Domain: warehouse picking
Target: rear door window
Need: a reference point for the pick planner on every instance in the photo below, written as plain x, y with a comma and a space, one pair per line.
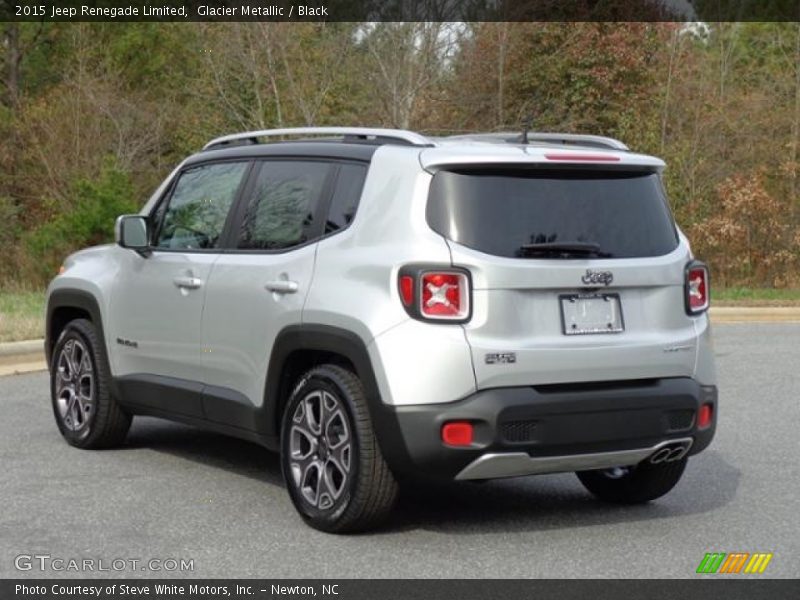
499, 212
284, 204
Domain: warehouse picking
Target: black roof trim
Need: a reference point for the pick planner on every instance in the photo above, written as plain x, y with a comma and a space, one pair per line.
316, 149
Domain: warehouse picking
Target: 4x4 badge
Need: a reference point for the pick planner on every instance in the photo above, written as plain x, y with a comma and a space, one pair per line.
597, 277
501, 358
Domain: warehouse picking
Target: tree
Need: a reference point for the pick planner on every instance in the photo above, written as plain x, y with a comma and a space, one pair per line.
403, 61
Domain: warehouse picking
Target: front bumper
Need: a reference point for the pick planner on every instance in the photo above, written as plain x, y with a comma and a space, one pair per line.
548, 429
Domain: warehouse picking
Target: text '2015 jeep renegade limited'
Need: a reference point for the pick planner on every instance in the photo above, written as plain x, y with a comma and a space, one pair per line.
376, 304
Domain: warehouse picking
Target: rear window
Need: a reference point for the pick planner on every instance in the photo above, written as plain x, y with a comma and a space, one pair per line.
500, 212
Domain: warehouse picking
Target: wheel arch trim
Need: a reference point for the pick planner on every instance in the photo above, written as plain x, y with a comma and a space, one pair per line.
315, 338
76, 299
349, 345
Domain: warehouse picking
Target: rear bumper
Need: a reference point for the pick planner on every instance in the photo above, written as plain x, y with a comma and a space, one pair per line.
548, 429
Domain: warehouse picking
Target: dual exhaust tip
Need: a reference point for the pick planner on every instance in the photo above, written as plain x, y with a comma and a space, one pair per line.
670, 452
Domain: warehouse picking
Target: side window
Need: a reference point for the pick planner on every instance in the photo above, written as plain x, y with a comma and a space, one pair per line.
345, 199
196, 212
283, 205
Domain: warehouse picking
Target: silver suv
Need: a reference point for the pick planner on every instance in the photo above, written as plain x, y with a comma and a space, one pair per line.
378, 305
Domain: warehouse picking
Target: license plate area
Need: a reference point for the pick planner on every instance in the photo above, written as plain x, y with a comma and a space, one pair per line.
590, 314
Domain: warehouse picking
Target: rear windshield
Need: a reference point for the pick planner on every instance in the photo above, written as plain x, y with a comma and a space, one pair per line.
502, 212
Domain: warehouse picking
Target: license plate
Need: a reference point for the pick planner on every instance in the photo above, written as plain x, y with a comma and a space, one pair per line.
584, 314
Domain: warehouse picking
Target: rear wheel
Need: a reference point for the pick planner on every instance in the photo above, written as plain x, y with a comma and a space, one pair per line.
334, 470
633, 485
85, 411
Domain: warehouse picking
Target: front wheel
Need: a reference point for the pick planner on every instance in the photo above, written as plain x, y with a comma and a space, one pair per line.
86, 412
633, 485
334, 470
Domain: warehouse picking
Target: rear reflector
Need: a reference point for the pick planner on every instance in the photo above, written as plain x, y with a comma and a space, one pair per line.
407, 289
583, 157
457, 433
697, 288
705, 415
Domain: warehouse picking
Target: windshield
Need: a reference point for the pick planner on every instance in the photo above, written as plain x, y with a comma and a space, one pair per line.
622, 214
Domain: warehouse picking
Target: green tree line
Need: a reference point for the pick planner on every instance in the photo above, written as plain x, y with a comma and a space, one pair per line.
93, 116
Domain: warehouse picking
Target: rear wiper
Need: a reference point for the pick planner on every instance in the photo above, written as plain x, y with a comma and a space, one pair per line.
563, 249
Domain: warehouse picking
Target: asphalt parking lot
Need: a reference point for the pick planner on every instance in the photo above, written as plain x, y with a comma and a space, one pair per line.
177, 493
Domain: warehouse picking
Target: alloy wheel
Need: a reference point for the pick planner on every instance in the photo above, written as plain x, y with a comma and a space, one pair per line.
320, 447
75, 388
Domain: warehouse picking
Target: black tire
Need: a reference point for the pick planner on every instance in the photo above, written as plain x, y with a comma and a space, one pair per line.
104, 424
367, 489
640, 484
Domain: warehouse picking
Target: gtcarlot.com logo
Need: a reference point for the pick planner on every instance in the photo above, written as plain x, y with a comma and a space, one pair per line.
734, 562
46, 562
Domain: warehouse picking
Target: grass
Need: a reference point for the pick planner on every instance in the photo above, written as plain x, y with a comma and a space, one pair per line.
755, 297
22, 312
21, 315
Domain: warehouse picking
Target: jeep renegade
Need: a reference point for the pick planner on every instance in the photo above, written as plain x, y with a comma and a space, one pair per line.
375, 304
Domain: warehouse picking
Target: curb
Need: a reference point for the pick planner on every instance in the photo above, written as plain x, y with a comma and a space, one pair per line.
22, 367
17, 358
19, 348
755, 314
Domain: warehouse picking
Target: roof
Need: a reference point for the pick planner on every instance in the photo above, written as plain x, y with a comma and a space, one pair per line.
359, 143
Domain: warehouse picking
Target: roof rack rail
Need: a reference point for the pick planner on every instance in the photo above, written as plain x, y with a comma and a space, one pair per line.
570, 139
362, 133
578, 139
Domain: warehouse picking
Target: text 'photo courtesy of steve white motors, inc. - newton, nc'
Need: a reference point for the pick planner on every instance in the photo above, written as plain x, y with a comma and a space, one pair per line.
158, 590
156, 11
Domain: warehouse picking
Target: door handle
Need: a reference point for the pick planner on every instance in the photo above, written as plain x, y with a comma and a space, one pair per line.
188, 283
282, 286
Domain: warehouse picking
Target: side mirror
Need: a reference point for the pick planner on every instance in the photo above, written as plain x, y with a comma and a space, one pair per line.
131, 232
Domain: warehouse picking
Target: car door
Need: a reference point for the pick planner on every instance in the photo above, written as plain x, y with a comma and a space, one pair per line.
259, 287
157, 300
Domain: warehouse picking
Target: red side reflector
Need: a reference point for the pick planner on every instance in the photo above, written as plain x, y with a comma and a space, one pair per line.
705, 415
457, 433
583, 157
407, 289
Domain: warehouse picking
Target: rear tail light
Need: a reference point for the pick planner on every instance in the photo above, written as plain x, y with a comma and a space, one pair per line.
445, 295
434, 294
698, 292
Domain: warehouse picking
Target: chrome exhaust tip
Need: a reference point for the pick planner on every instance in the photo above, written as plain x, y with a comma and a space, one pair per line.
671, 451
